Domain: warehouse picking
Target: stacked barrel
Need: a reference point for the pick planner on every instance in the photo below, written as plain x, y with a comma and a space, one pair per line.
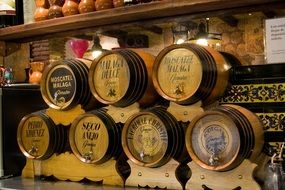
65, 85
95, 137
39, 138
152, 137
219, 139
222, 137
189, 73
123, 77
118, 78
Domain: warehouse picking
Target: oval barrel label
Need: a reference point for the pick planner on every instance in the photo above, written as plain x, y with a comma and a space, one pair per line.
179, 73
215, 139
91, 138
147, 138
111, 76
61, 85
35, 136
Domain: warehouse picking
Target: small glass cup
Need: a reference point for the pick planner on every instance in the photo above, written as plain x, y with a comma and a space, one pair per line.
8, 76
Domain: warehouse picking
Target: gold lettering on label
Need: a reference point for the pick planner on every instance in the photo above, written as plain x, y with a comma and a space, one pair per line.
178, 63
61, 78
61, 81
178, 67
139, 123
111, 67
35, 129
90, 133
61, 85
32, 133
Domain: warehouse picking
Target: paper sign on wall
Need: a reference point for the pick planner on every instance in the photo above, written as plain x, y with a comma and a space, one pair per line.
275, 40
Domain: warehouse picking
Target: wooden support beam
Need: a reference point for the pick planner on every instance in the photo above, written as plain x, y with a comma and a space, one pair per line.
230, 20
152, 28
120, 34
8, 48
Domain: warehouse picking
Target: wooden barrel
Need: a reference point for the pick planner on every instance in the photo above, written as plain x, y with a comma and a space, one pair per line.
188, 73
95, 137
152, 137
39, 138
65, 84
123, 77
222, 138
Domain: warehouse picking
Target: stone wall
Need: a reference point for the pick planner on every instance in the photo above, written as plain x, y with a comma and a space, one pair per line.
246, 41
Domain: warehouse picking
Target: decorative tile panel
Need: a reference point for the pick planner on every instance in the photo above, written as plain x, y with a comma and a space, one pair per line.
255, 93
272, 121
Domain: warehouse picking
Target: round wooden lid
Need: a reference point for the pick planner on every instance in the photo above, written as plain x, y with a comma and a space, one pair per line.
109, 78
33, 137
145, 139
213, 140
89, 138
59, 86
177, 73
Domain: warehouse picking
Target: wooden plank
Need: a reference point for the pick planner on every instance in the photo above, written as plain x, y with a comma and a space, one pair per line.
154, 10
241, 176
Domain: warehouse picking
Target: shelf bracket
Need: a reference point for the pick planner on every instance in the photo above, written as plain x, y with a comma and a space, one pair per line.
7, 48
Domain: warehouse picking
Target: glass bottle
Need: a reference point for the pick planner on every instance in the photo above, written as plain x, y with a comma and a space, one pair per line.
273, 179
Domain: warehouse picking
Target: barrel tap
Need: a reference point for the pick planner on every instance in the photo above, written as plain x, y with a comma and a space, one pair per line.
142, 155
214, 159
34, 150
88, 156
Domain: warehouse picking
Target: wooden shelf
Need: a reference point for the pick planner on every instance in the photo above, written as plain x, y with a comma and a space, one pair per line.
142, 13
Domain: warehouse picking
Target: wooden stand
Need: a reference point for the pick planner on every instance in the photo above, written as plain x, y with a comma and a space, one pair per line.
185, 113
241, 176
64, 117
66, 166
120, 115
162, 177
